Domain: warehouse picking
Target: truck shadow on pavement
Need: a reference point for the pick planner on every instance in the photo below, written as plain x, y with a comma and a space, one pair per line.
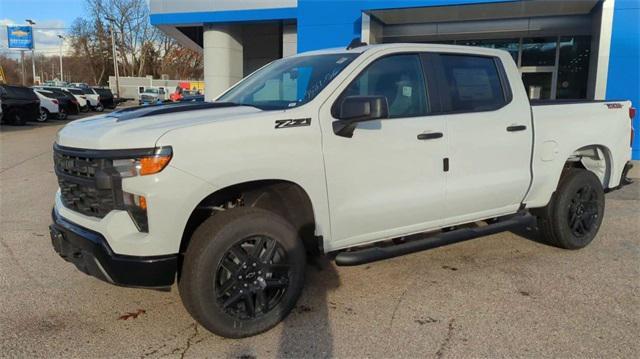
307, 330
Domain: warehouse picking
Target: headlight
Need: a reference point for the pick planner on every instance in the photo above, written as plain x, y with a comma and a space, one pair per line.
144, 165
141, 165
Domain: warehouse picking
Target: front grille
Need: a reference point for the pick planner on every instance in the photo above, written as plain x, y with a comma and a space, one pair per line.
84, 199
85, 186
75, 165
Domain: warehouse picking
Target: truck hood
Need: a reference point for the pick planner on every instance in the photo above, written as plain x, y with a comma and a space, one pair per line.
140, 127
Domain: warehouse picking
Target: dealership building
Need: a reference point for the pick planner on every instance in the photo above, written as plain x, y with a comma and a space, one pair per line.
565, 49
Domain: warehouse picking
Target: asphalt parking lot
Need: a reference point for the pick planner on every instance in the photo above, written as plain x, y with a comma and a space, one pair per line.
505, 295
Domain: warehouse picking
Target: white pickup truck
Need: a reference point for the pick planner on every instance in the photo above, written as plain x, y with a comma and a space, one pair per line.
347, 152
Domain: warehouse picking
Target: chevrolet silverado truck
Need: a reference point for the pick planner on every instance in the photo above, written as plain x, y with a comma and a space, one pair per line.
363, 154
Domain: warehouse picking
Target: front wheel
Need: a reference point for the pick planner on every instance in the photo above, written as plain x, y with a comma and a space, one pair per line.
243, 272
573, 216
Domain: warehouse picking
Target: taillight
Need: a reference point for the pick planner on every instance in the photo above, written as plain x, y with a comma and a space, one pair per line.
55, 102
632, 114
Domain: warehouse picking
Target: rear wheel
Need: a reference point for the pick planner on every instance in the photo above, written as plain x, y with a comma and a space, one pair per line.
243, 272
573, 216
62, 114
44, 115
99, 107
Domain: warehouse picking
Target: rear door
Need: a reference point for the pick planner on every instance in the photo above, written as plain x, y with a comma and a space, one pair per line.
489, 138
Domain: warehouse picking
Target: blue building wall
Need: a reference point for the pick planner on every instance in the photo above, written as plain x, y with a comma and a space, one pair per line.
624, 60
332, 23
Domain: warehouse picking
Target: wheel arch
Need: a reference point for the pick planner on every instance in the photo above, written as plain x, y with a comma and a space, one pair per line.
283, 197
595, 158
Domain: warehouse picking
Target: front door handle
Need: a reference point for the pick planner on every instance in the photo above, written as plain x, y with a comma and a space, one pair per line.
515, 128
430, 136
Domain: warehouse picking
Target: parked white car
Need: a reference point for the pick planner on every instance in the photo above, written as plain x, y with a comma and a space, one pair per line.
348, 152
92, 97
83, 100
49, 106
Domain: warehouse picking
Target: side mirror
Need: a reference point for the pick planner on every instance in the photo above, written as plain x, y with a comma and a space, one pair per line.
354, 109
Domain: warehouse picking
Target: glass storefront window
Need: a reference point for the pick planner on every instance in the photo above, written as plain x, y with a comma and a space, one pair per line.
538, 63
509, 45
538, 85
573, 67
539, 51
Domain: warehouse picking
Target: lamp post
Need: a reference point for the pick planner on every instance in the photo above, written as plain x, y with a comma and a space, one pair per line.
61, 43
33, 49
115, 56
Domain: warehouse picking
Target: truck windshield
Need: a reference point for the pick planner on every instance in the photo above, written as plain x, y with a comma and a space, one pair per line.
288, 82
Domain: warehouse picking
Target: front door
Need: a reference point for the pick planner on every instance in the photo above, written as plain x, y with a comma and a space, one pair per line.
388, 179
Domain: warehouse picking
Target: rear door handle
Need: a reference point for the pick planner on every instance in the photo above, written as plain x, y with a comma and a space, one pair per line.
515, 128
430, 136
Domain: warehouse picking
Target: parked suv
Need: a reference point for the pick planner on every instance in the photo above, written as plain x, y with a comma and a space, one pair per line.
348, 152
68, 103
19, 104
106, 97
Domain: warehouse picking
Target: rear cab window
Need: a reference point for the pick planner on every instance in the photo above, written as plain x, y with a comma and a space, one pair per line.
472, 83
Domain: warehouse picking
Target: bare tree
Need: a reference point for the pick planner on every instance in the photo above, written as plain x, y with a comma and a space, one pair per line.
142, 48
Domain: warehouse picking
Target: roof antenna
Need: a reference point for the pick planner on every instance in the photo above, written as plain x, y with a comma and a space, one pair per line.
356, 43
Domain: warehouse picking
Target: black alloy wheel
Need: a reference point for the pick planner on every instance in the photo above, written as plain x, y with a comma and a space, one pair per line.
583, 211
574, 214
243, 271
252, 277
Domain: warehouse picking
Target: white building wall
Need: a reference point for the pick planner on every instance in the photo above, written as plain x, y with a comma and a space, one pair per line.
173, 6
289, 39
223, 58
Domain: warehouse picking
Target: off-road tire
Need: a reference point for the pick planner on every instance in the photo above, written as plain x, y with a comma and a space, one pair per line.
562, 221
211, 243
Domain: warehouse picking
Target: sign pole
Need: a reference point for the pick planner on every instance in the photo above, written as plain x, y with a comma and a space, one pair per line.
115, 60
22, 64
33, 64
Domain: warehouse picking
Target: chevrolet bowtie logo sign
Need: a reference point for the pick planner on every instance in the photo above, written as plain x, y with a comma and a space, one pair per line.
20, 37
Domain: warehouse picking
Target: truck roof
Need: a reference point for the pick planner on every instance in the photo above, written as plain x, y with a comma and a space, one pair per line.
413, 46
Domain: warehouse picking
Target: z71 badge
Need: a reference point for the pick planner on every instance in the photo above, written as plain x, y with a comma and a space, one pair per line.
298, 122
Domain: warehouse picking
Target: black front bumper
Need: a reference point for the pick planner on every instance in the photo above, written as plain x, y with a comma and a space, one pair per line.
90, 253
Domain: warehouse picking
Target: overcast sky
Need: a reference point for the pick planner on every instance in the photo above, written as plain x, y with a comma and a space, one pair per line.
52, 17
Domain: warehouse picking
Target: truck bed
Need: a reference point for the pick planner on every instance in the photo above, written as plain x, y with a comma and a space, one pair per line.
563, 127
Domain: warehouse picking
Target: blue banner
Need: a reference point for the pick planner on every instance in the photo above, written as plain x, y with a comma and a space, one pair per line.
20, 37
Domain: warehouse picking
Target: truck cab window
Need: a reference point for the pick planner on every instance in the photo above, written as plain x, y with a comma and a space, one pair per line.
400, 79
474, 83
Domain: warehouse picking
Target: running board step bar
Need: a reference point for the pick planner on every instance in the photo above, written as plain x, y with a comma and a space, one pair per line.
372, 254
